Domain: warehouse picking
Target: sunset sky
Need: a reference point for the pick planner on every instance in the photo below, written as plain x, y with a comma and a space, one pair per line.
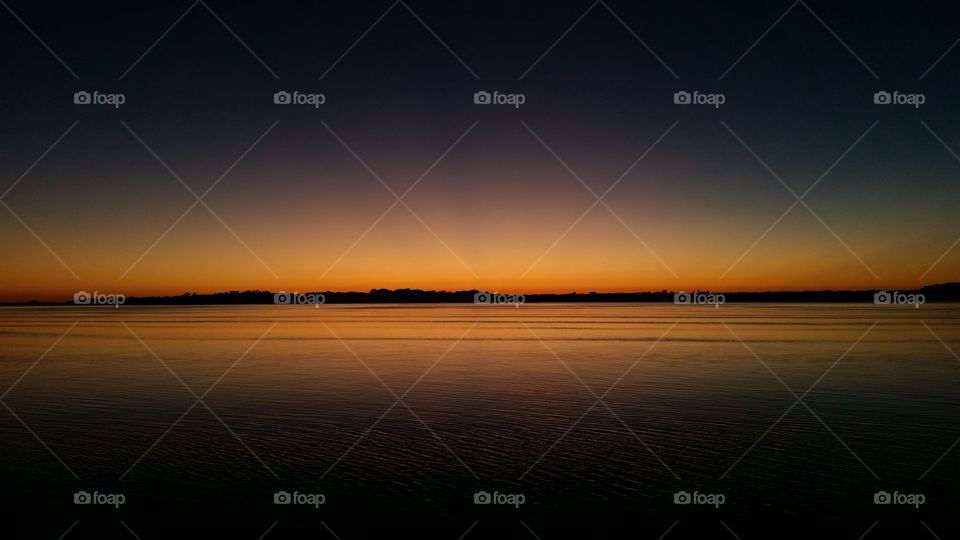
490, 214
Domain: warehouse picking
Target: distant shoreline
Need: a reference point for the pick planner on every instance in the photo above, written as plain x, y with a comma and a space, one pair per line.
945, 292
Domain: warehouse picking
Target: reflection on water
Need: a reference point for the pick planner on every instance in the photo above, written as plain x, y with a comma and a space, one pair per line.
493, 398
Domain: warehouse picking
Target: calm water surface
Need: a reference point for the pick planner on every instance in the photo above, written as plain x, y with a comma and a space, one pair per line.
497, 399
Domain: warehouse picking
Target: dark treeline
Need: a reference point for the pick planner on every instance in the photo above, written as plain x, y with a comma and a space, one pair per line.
946, 292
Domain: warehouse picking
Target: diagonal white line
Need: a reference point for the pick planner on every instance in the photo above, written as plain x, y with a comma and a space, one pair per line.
598, 199
799, 399
37, 437
841, 441
639, 159
599, 400
359, 159
159, 39
868, 530
937, 462
835, 235
161, 161
559, 39
940, 258
527, 527
241, 441
444, 244
127, 527
244, 244
39, 159
327, 527
834, 34
841, 158
439, 159
758, 240
199, 199
434, 34
199, 399
641, 240
398, 399
180, 18
759, 160
45, 46
559, 159
957, 241
35, 235
159, 239
262, 536
945, 53
559, 239
437, 437
160, 438
234, 34
37, 361
815, 16
634, 34
945, 346
359, 39
759, 39
760, 438
399, 198
670, 528
799, 198
927, 527
468, 530
727, 527
239, 159
359, 239
941, 141
65, 533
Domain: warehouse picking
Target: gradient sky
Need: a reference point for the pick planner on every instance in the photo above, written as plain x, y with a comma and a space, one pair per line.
498, 201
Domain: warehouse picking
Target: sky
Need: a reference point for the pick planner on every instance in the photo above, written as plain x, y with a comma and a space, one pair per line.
492, 196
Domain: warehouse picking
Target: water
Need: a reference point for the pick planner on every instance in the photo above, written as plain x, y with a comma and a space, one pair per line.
493, 398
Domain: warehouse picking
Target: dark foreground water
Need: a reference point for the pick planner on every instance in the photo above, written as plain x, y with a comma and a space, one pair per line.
502, 400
